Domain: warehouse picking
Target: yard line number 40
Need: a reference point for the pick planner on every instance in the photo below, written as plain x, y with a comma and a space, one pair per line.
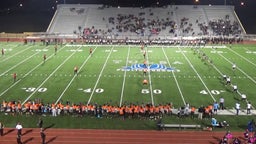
214, 92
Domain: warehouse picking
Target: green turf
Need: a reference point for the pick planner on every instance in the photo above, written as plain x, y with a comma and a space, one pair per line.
237, 123
101, 79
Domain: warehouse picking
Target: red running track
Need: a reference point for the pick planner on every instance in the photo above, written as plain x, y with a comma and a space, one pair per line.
89, 136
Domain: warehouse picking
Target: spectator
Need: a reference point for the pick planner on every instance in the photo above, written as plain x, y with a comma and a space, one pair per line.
159, 124
215, 123
248, 108
1, 129
224, 140
200, 112
43, 136
215, 107
19, 129
251, 126
40, 123
237, 106
246, 134
19, 139
54, 112
229, 136
192, 113
222, 100
236, 141
251, 140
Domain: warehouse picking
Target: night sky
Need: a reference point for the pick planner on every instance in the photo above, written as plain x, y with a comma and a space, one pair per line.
35, 15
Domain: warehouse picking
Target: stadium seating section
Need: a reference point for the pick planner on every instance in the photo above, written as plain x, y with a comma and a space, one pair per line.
133, 23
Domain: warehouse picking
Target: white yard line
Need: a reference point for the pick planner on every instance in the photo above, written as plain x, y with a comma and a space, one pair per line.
122, 92
48, 77
239, 69
243, 73
26, 74
18, 64
66, 88
100, 75
15, 54
174, 76
242, 57
150, 81
239, 93
197, 74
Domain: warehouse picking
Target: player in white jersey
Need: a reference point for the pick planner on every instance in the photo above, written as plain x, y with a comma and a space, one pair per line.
235, 88
249, 107
228, 81
234, 66
224, 77
243, 96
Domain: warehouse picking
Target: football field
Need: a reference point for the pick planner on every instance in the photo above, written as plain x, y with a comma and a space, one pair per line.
114, 74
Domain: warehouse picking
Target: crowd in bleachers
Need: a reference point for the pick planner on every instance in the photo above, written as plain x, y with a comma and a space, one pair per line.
77, 10
225, 26
136, 24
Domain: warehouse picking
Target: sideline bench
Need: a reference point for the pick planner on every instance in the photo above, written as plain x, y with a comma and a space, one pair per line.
180, 126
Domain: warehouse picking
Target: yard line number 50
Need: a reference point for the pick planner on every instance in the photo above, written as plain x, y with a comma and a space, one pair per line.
155, 91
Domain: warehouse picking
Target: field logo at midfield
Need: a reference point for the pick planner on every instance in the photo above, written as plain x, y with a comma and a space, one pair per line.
8, 49
75, 50
152, 67
40, 50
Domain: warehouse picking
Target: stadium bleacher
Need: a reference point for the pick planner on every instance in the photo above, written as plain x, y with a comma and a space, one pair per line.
137, 23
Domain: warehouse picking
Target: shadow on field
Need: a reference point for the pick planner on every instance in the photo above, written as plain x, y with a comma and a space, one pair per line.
216, 138
50, 126
27, 131
51, 140
9, 131
28, 140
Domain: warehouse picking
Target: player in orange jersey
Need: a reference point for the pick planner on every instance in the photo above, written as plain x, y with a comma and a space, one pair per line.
145, 64
145, 82
90, 52
55, 49
14, 77
44, 57
144, 72
2, 51
144, 54
142, 47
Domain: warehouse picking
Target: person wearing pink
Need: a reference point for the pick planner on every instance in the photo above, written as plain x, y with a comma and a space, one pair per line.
246, 134
229, 136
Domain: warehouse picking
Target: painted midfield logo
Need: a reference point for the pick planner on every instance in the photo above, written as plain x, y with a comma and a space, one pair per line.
152, 67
